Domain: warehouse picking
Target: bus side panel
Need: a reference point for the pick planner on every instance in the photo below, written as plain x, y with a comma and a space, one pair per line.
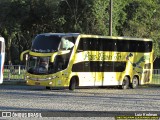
112, 78
86, 78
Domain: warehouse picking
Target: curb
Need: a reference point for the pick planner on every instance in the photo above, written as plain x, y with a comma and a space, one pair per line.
14, 82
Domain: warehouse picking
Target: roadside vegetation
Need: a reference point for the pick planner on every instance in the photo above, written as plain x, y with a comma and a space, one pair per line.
21, 20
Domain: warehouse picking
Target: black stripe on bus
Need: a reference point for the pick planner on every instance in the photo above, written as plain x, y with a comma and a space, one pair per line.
99, 66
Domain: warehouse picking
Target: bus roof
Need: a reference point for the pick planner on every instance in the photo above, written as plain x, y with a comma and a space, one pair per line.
117, 37
96, 36
60, 34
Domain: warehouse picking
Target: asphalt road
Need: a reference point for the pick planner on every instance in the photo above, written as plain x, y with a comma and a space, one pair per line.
38, 99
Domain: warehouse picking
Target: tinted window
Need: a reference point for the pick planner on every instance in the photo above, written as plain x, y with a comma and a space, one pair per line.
45, 44
105, 44
89, 44
99, 66
114, 66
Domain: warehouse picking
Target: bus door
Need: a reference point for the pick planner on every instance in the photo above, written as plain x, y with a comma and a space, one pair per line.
99, 74
95, 74
83, 63
98, 64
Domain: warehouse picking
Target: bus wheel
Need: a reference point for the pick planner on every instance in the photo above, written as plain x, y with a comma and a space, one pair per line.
134, 82
72, 84
125, 83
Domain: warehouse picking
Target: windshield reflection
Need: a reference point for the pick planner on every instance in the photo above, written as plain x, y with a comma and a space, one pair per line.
67, 43
46, 44
52, 43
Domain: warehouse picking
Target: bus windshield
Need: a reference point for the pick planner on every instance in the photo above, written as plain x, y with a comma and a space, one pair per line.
49, 44
52, 43
38, 65
46, 44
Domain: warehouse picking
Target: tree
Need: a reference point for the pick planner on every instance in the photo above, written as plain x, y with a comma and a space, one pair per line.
70, 14
9, 25
143, 21
21, 20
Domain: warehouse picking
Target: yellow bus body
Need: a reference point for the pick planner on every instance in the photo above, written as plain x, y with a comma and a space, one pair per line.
129, 64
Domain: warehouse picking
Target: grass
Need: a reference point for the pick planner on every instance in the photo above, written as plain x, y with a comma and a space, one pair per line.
156, 79
13, 75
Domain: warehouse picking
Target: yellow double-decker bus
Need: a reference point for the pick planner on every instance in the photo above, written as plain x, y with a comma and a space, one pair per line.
73, 59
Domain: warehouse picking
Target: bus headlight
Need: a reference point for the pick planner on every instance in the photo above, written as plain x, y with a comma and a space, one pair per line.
49, 78
50, 83
54, 77
27, 77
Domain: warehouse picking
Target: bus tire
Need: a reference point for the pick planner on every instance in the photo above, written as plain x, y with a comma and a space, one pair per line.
135, 82
125, 83
72, 84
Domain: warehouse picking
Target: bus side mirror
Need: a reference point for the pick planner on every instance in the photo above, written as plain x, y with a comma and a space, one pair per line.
25, 53
52, 57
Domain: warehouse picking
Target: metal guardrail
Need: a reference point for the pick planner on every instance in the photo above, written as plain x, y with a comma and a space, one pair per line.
156, 71
17, 72
156, 76
14, 72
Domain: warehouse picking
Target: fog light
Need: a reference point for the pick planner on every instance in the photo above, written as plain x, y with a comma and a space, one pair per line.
50, 83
